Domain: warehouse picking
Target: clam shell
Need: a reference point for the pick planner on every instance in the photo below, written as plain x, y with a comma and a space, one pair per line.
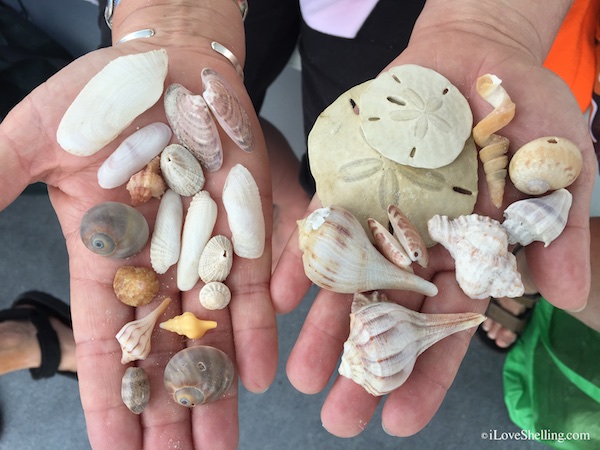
111, 100
182, 172
147, 183
135, 389
545, 164
216, 259
538, 219
165, 244
133, 154
194, 126
241, 200
215, 295
479, 246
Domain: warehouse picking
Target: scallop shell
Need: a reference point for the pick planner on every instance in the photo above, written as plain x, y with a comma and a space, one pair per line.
135, 389
339, 256
408, 236
545, 164
199, 375
241, 200
389, 246
197, 229
194, 126
111, 100
479, 246
215, 295
386, 339
216, 259
538, 219
228, 109
188, 325
114, 229
134, 337
147, 183
133, 154
135, 286
165, 244
182, 172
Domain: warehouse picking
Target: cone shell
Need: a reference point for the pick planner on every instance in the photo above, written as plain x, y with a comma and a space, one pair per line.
215, 295
135, 389
165, 244
182, 172
135, 286
147, 183
216, 259
111, 100
188, 325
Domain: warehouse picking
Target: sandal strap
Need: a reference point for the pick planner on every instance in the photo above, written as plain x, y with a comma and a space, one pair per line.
49, 346
504, 318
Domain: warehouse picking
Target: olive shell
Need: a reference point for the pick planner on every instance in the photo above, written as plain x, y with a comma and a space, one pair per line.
135, 389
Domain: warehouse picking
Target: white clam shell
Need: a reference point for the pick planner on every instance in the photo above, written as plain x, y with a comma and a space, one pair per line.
199, 222
215, 295
216, 259
241, 200
181, 171
538, 219
479, 246
111, 100
165, 244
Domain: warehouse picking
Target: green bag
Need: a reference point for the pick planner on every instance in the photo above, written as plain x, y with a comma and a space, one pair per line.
552, 381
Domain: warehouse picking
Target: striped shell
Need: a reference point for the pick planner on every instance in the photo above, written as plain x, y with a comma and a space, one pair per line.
181, 171
216, 259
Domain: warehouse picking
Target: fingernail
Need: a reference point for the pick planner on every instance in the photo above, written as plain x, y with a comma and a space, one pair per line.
578, 309
386, 430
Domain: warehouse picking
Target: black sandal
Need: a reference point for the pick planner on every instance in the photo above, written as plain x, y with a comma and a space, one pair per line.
38, 307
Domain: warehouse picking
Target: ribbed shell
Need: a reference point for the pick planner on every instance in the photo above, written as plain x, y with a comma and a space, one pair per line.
181, 171
165, 244
216, 259
215, 295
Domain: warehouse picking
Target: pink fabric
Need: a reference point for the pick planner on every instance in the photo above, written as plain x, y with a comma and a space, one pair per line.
342, 18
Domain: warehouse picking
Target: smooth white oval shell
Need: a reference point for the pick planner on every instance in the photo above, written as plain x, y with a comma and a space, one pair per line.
111, 100
165, 244
181, 170
216, 259
215, 295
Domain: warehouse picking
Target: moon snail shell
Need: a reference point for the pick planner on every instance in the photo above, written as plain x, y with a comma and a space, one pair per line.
115, 230
199, 375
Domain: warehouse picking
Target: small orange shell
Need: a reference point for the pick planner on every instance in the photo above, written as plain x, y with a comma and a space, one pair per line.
188, 325
135, 286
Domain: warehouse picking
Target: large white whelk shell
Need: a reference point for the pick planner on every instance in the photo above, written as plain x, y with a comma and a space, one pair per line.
216, 259
165, 244
339, 256
111, 100
241, 200
479, 246
181, 171
538, 219
386, 339
215, 295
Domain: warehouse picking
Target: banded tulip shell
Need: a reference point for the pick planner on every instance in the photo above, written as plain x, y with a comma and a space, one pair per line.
114, 230
147, 183
188, 325
214, 295
545, 164
339, 256
479, 246
135, 389
194, 126
386, 339
165, 244
241, 200
388, 245
216, 259
135, 336
182, 172
111, 100
538, 219
408, 236
198, 375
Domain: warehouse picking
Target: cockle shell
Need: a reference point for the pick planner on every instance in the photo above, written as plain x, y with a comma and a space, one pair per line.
227, 108
214, 295
147, 183
134, 337
408, 236
479, 246
545, 164
386, 339
339, 256
216, 259
135, 389
114, 229
538, 219
133, 154
182, 172
199, 375
111, 100
197, 229
135, 286
188, 325
241, 200
194, 126
389, 246
165, 244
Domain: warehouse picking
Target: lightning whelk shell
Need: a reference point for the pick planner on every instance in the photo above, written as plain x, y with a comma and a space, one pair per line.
386, 339
182, 172
111, 100
216, 259
241, 200
339, 256
147, 183
479, 246
165, 244
538, 219
135, 389
215, 295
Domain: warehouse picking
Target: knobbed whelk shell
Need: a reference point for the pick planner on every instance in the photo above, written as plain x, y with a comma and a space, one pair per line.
188, 325
114, 229
538, 219
545, 164
135, 389
386, 339
214, 295
147, 183
165, 244
479, 246
339, 256
198, 375
216, 259
134, 337
111, 100
182, 172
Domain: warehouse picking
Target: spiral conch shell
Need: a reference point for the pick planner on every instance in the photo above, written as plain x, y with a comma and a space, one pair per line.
188, 325
339, 256
493, 146
538, 219
479, 246
386, 339
147, 183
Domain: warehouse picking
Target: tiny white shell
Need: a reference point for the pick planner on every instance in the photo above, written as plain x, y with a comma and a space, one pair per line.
181, 170
215, 295
216, 259
166, 237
